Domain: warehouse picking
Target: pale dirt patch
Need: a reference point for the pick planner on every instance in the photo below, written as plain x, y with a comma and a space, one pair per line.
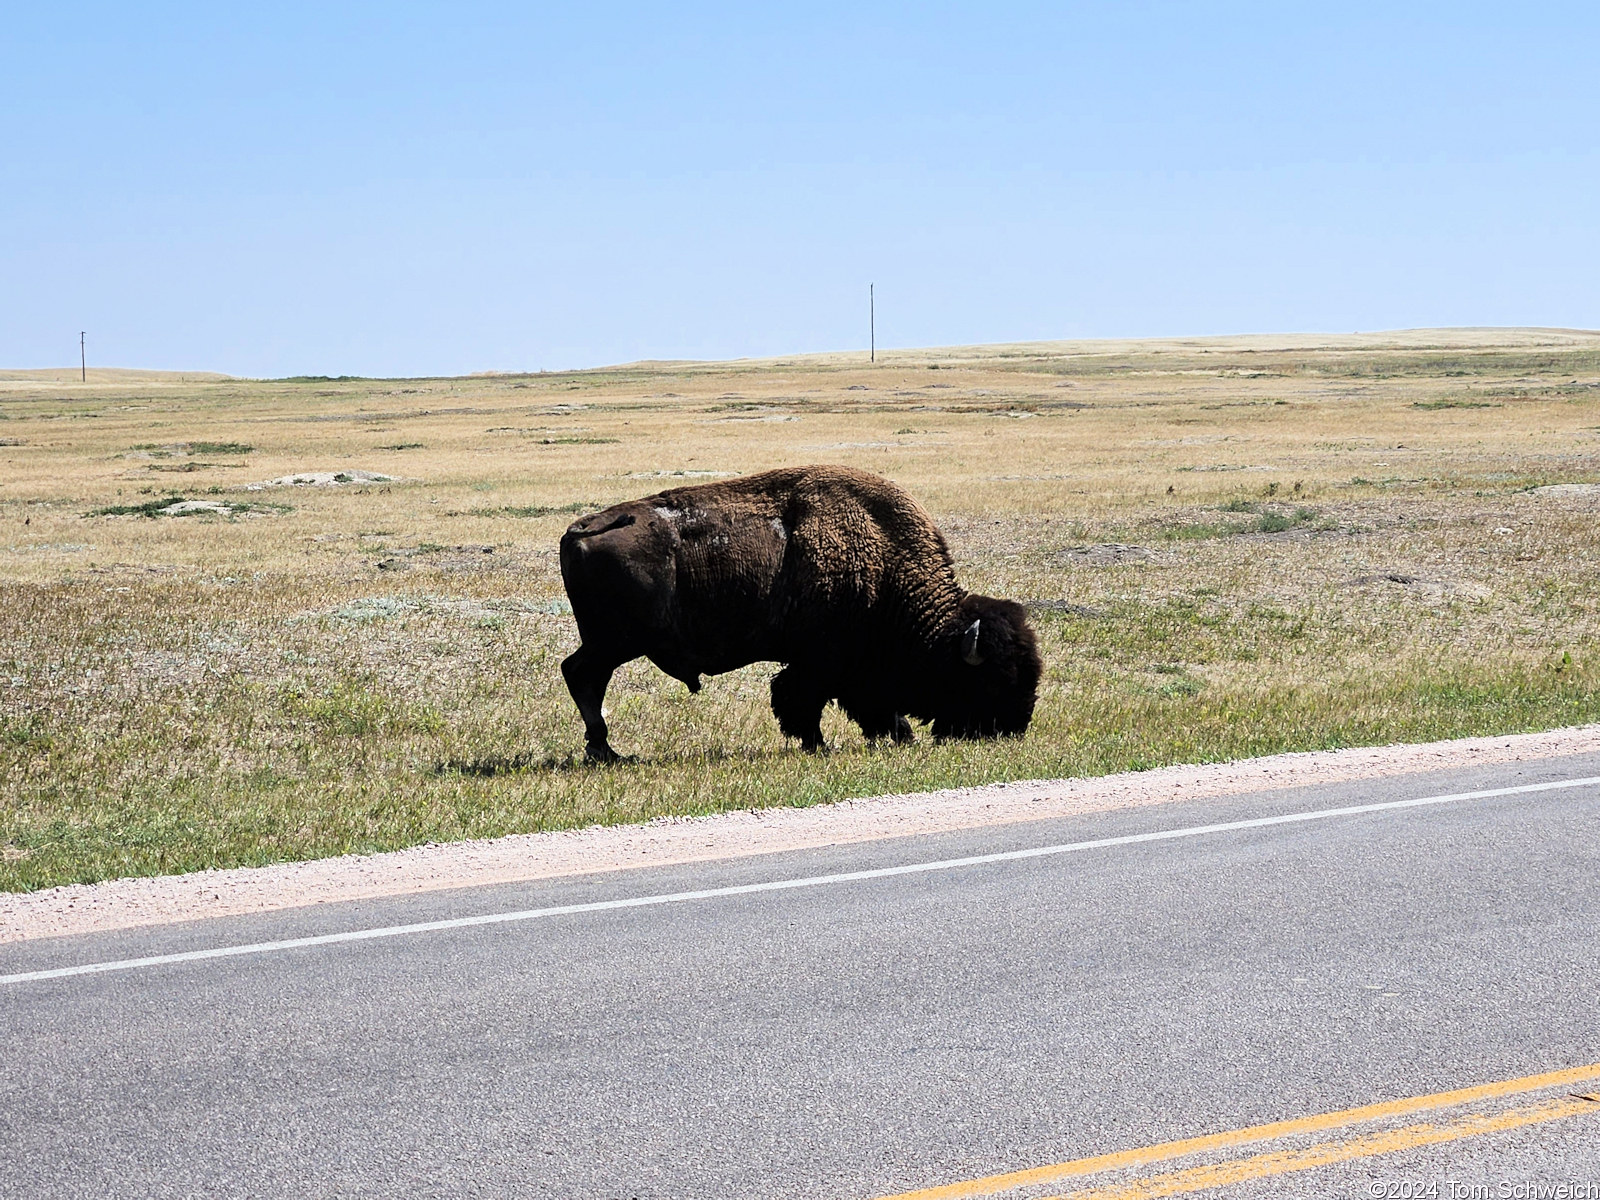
130, 903
321, 479
185, 507
1107, 554
1568, 489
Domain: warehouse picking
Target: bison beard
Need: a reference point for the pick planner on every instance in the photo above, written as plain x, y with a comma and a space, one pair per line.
836, 573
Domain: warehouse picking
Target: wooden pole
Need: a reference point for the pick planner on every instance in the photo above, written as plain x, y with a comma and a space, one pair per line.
83, 359
872, 321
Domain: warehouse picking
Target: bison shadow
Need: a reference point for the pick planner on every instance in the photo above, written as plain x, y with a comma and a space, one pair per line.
492, 765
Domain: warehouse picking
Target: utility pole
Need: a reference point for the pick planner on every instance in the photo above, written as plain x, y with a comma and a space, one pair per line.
872, 321
83, 359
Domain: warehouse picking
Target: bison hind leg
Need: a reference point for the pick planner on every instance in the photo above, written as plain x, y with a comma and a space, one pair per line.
588, 675
798, 699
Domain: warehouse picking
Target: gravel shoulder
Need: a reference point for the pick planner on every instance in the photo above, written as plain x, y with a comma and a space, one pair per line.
144, 901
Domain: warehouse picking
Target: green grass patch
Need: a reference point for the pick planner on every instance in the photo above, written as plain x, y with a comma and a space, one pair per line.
196, 447
150, 508
353, 768
1278, 521
1268, 518
529, 510
243, 733
1201, 531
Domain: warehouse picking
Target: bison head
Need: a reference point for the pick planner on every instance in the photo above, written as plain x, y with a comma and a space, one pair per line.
992, 668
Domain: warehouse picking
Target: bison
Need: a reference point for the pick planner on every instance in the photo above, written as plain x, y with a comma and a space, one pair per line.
833, 572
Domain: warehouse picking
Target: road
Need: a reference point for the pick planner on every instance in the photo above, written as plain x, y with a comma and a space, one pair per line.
874, 1035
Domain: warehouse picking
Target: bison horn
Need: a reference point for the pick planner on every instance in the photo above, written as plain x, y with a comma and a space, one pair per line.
969, 647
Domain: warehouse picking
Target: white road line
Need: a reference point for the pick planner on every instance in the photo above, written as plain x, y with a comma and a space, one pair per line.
779, 885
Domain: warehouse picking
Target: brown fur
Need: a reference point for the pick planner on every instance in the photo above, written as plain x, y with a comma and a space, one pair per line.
835, 572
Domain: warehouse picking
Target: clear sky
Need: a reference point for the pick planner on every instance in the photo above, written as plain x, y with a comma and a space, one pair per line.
439, 188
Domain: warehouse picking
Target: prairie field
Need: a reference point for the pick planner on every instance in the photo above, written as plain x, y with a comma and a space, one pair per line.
1230, 546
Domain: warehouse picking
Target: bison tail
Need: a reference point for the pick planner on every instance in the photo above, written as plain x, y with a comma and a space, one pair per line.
592, 527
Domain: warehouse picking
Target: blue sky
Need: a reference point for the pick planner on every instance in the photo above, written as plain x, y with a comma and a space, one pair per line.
417, 189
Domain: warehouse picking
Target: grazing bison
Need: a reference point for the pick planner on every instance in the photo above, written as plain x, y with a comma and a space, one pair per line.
836, 573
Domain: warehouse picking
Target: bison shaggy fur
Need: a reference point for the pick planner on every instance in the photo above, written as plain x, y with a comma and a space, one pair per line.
835, 573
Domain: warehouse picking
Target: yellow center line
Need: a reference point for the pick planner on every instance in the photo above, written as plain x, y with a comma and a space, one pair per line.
1055, 1172
1282, 1162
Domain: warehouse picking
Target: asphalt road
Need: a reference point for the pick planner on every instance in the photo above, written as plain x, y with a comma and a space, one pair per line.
851, 1039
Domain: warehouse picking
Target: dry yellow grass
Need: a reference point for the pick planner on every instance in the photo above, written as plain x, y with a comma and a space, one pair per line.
1234, 545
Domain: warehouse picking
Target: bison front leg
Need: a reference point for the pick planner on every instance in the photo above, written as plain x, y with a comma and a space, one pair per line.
877, 724
798, 699
587, 675
898, 730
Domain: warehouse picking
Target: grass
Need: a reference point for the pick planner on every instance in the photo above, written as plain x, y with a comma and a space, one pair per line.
528, 510
147, 508
1346, 567
1266, 519
158, 507
175, 448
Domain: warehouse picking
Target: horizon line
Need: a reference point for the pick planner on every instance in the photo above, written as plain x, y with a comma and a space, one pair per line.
946, 349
